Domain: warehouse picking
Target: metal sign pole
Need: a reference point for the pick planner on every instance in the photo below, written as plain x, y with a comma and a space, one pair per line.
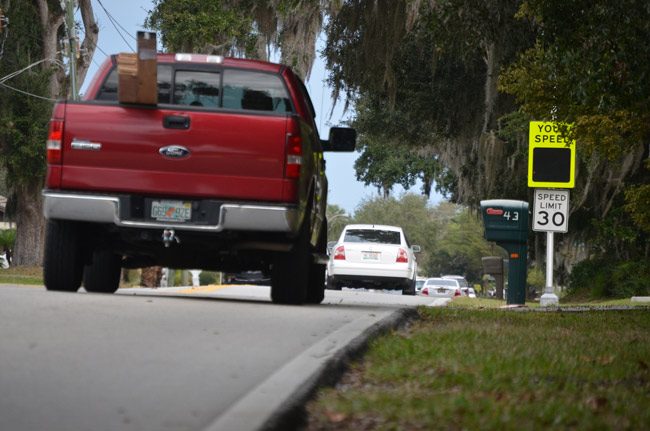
549, 297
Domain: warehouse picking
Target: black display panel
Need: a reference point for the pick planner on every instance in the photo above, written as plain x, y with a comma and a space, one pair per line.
552, 165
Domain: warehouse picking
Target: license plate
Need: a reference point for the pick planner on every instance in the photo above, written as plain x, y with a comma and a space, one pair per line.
176, 211
371, 255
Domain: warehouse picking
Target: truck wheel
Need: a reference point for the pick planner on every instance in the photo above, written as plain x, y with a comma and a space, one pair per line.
290, 273
332, 285
409, 289
316, 287
63, 259
103, 275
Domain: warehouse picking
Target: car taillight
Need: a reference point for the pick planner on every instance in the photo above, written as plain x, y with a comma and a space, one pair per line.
402, 256
425, 291
457, 293
339, 253
293, 151
54, 139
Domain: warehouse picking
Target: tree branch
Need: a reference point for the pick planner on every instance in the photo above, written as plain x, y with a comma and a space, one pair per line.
90, 40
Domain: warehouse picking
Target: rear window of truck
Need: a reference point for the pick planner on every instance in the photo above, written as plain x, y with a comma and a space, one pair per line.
231, 89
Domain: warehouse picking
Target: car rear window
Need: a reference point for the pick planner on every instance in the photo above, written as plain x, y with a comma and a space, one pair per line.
372, 235
239, 90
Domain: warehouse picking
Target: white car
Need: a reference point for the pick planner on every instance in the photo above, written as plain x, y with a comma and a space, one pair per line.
465, 289
373, 256
419, 284
441, 288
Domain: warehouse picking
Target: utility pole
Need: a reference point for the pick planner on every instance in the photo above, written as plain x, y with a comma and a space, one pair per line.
71, 32
3, 21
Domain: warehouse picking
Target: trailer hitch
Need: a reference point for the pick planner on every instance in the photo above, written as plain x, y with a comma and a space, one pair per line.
169, 236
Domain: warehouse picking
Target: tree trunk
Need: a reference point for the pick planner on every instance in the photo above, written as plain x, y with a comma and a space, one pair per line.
50, 22
91, 31
30, 225
491, 77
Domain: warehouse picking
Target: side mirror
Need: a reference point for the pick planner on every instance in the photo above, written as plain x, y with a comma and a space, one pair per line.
340, 139
416, 249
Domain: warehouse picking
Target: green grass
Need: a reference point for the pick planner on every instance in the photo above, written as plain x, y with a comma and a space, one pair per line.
22, 275
460, 368
465, 302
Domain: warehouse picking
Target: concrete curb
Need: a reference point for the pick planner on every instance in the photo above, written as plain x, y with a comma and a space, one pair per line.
278, 403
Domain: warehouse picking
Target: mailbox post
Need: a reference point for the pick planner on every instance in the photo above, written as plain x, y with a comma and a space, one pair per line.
493, 265
506, 223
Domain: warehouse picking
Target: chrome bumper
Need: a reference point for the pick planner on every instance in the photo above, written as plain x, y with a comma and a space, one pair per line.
106, 209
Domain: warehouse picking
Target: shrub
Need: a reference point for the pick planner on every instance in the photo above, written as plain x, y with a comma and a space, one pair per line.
207, 277
536, 279
603, 278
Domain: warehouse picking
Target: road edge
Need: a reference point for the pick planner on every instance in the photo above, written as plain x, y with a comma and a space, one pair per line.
278, 403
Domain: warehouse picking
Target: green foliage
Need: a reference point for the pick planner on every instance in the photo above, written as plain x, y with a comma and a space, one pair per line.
249, 28
23, 119
589, 68
386, 137
336, 221
208, 277
7, 238
536, 279
607, 278
460, 246
637, 204
199, 26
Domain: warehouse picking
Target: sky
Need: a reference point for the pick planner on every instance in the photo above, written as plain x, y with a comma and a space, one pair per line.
344, 189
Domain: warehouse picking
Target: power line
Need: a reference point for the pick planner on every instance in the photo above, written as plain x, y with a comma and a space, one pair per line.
2, 84
36, 63
116, 24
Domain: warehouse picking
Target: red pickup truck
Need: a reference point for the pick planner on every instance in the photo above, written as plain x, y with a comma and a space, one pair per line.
225, 173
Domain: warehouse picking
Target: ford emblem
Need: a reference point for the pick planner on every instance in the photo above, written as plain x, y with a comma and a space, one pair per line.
174, 151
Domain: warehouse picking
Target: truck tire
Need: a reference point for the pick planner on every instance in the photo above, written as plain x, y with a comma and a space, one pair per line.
332, 284
316, 287
409, 289
103, 274
290, 273
63, 260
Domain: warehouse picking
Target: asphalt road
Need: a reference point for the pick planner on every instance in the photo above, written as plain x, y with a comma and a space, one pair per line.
169, 359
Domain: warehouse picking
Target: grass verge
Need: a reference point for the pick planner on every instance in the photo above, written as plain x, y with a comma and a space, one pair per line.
465, 302
22, 275
461, 368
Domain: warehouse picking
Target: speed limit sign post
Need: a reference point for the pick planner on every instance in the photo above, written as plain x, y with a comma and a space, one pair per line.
550, 215
551, 211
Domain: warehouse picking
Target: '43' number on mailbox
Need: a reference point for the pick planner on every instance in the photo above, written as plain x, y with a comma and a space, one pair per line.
514, 216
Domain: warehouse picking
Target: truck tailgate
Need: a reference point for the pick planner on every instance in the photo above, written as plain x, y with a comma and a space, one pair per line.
231, 155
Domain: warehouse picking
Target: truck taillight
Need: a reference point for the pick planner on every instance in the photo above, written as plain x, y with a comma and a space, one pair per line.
293, 151
54, 139
339, 253
294, 156
402, 256
457, 293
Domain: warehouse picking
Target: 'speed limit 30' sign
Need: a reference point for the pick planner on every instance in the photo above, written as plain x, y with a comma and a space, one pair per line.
551, 211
